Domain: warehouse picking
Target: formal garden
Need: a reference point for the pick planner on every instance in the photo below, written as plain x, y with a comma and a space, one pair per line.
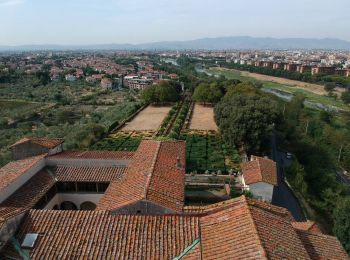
206, 153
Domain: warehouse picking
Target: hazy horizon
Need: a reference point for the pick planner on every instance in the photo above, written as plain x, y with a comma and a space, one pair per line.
78, 22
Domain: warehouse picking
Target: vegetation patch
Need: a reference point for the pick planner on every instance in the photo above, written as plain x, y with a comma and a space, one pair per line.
205, 152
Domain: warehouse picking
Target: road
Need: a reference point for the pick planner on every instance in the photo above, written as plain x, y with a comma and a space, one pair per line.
282, 195
342, 177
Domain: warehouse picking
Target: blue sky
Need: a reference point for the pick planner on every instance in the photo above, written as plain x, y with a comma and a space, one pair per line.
139, 21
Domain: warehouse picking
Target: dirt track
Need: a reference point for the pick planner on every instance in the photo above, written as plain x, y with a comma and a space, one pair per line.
148, 119
203, 118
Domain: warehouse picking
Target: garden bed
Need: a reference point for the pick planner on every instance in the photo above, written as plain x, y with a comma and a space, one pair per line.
205, 152
203, 118
122, 141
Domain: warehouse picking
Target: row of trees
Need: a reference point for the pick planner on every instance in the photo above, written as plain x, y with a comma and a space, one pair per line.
320, 142
307, 77
212, 90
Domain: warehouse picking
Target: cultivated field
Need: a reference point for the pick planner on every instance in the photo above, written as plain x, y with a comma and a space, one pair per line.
203, 118
148, 119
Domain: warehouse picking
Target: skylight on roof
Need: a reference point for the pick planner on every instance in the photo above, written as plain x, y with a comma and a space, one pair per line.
29, 240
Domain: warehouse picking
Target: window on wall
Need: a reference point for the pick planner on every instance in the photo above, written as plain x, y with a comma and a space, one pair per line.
51, 193
102, 187
66, 187
87, 187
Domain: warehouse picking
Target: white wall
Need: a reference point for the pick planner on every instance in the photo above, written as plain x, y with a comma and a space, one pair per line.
76, 198
262, 190
57, 149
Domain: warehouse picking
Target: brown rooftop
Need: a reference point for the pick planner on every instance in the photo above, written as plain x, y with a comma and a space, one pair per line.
89, 174
117, 155
241, 230
259, 170
15, 169
153, 175
42, 141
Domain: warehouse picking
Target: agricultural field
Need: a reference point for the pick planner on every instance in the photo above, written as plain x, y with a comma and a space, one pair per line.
149, 119
206, 152
80, 126
13, 110
203, 119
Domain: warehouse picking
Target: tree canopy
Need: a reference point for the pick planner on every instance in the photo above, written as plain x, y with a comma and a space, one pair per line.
246, 119
164, 92
342, 224
345, 96
207, 93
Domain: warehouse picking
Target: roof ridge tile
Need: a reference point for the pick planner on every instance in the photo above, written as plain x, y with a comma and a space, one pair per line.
260, 244
149, 176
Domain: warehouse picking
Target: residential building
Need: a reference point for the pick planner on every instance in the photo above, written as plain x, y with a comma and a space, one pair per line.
290, 67
106, 83
259, 176
70, 77
322, 70
303, 68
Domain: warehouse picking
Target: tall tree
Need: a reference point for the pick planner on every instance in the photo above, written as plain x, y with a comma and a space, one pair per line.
245, 119
342, 223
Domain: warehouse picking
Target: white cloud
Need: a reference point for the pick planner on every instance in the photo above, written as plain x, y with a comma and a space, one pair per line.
11, 2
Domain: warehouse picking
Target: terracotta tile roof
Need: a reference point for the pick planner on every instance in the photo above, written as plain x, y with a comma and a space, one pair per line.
132, 187
89, 174
231, 234
26, 196
321, 246
259, 170
193, 254
241, 229
13, 170
153, 175
246, 230
208, 209
100, 235
309, 226
167, 183
117, 155
277, 235
43, 141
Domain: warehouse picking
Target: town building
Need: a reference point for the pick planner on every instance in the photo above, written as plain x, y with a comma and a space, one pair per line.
106, 83
131, 205
136, 83
290, 67
322, 70
70, 77
268, 64
259, 176
303, 68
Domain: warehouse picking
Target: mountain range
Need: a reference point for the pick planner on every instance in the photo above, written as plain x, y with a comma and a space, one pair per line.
219, 43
